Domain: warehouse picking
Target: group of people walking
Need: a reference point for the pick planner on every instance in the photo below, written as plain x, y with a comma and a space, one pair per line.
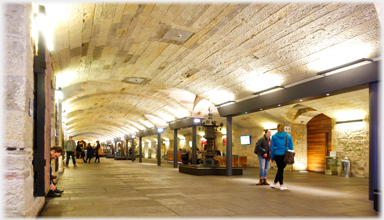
70, 148
270, 149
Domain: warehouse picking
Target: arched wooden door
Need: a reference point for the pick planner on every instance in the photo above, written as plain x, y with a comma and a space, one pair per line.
319, 139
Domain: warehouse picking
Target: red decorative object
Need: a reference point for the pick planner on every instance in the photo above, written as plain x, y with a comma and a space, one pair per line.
225, 140
203, 142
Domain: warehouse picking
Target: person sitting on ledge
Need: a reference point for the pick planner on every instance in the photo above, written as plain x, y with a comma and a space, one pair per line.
56, 152
185, 156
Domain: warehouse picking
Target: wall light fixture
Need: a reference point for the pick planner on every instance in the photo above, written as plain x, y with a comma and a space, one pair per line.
346, 66
350, 121
268, 90
225, 103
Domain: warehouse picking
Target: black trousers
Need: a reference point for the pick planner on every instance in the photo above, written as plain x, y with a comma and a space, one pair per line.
88, 158
97, 158
280, 168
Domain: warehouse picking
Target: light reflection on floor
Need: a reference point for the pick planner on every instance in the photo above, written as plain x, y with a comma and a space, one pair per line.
299, 189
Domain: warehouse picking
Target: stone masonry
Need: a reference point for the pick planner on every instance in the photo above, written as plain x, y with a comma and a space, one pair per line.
17, 137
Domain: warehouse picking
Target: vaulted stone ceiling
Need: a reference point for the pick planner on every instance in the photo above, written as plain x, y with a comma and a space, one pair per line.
124, 67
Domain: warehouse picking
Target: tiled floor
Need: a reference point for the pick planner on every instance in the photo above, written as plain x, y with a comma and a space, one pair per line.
121, 188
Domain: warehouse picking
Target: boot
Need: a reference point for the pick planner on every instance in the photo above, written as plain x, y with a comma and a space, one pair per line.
260, 182
265, 182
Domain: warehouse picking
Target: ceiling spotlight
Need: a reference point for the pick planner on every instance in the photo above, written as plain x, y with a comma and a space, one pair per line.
327, 94
196, 120
301, 100
279, 105
261, 109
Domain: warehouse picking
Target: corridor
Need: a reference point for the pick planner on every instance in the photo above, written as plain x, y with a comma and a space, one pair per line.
122, 188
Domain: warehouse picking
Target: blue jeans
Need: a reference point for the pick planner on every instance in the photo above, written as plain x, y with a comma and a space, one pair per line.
71, 153
264, 167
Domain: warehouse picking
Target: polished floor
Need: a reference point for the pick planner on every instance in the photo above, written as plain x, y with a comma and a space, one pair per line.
126, 189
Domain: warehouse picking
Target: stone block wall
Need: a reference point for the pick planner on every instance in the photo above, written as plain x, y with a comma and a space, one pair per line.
18, 134
299, 138
246, 150
352, 141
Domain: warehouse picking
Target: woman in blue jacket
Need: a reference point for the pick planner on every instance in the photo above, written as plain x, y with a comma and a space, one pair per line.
280, 142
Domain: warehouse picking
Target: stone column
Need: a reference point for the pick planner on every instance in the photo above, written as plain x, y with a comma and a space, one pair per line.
18, 77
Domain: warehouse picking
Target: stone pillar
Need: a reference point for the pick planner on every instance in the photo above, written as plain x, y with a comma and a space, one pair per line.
18, 77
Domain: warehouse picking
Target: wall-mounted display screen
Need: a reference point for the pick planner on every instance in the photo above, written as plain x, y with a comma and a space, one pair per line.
245, 140
190, 143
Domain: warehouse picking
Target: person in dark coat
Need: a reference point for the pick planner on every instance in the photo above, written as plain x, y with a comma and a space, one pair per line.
97, 151
78, 150
82, 152
185, 156
89, 153
263, 150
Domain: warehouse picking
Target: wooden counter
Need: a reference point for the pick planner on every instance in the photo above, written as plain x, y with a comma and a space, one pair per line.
170, 156
235, 162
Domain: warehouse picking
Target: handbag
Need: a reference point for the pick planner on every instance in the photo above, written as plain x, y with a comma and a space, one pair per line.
289, 157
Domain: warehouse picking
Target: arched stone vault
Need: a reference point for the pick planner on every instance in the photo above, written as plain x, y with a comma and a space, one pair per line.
121, 64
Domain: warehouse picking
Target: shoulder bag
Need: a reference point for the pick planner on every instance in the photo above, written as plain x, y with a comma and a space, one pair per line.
289, 157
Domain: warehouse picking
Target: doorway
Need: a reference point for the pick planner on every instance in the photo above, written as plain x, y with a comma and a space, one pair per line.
319, 139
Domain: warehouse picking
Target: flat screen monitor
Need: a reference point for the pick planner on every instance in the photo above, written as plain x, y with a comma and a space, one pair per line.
245, 140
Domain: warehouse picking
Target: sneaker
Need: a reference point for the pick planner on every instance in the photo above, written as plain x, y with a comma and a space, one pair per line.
273, 185
53, 194
283, 188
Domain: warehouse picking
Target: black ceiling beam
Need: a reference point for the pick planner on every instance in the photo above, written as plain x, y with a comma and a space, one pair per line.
345, 81
184, 123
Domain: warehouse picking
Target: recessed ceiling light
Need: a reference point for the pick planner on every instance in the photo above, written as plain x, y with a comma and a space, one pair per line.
301, 100
279, 105
327, 94
261, 109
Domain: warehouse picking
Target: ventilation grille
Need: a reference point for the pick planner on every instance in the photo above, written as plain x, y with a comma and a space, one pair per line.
177, 35
135, 80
